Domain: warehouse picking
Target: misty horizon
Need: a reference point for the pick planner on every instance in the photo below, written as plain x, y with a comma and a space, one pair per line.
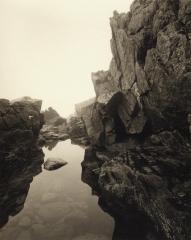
49, 49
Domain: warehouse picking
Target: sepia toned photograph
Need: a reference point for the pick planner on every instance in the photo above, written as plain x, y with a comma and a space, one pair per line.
95, 120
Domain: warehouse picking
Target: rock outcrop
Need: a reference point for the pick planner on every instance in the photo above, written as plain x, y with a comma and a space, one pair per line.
55, 127
147, 87
20, 124
21, 114
139, 122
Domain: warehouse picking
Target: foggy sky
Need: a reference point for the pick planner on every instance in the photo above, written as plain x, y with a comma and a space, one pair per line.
48, 48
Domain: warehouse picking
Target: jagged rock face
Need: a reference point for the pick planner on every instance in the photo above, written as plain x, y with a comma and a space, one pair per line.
150, 72
151, 50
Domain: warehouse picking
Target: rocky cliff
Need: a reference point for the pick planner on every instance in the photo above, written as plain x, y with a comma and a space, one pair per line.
139, 122
147, 87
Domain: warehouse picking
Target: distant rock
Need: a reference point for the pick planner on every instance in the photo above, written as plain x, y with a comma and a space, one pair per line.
77, 130
54, 163
51, 117
55, 127
50, 114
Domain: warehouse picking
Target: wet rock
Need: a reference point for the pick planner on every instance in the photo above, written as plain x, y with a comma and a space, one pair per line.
54, 163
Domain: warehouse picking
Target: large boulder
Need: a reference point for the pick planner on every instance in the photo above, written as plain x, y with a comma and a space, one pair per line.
54, 163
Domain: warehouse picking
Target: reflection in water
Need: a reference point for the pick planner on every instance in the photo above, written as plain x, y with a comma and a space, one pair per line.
20, 161
58, 206
129, 224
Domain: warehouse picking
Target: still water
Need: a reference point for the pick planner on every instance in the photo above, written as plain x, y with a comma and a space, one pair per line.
59, 206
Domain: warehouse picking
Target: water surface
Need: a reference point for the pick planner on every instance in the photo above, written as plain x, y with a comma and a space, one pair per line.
59, 206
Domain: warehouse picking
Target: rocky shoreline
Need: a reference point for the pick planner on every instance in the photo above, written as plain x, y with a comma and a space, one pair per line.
137, 128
